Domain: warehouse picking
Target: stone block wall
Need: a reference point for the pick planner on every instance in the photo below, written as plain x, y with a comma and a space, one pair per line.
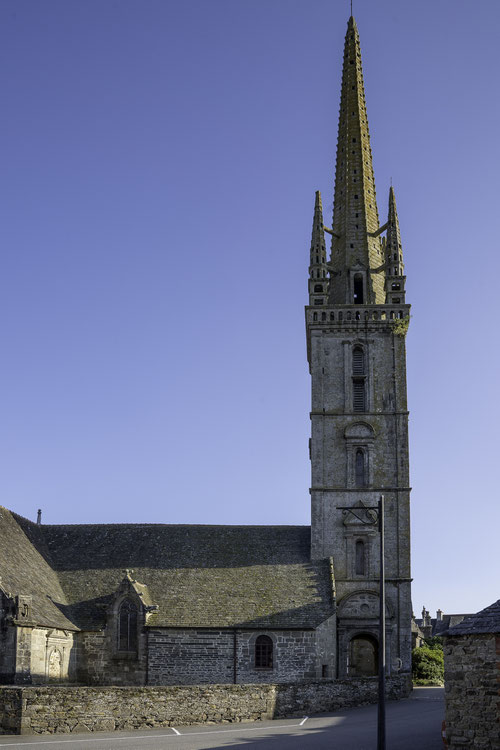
294, 656
199, 656
52, 656
181, 656
472, 691
50, 710
11, 704
100, 663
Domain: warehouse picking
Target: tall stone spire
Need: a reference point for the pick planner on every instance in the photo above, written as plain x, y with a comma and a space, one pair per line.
318, 282
395, 278
356, 249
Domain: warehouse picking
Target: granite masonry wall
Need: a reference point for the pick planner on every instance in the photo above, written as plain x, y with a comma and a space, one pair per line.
190, 656
100, 663
49, 710
198, 656
472, 691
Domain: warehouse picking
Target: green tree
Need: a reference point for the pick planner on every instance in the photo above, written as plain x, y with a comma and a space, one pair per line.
435, 643
428, 664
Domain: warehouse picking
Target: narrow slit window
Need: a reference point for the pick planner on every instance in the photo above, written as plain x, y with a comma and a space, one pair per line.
359, 469
360, 564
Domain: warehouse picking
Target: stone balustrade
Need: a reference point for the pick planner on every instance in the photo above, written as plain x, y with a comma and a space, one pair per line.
350, 314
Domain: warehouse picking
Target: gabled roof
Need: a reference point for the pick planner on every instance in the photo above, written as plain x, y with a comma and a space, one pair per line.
25, 568
485, 621
199, 576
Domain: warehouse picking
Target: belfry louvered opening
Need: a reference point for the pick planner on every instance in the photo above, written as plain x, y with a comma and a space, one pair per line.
358, 379
358, 361
358, 395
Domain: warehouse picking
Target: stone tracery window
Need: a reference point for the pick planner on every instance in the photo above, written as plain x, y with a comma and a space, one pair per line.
127, 626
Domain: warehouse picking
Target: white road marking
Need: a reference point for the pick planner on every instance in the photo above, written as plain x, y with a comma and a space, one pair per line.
252, 729
146, 736
303, 721
90, 739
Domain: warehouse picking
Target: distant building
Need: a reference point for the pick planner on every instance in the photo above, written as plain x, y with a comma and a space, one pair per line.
427, 626
158, 604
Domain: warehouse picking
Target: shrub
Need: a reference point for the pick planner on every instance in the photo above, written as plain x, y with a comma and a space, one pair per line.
428, 663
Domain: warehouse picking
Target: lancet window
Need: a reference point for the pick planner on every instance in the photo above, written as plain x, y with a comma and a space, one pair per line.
127, 626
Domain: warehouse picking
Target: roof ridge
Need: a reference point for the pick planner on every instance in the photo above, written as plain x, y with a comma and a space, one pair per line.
178, 525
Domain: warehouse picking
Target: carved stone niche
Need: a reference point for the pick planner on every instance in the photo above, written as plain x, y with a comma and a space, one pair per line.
57, 652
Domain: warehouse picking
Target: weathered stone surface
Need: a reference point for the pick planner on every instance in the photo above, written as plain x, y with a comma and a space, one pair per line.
472, 690
47, 710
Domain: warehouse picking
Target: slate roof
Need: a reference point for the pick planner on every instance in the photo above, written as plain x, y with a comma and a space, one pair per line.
485, 621
439, 627
199, 576
25, 569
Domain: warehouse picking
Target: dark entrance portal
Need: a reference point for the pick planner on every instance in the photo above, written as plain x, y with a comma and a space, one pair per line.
363, 656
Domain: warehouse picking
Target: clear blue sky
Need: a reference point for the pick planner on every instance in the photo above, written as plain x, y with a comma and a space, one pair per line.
159, 161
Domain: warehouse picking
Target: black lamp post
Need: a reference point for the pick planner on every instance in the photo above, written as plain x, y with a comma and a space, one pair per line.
369, 517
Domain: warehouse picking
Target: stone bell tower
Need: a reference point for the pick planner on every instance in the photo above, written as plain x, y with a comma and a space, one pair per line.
356, 323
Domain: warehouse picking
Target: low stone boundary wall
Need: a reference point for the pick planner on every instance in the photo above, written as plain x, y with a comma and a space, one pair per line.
49, 710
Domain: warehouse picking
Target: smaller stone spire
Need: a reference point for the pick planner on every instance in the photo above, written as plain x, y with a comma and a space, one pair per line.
318, 278
395, 278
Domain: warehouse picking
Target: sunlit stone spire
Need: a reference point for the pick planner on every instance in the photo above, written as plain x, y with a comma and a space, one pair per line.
318, 282
356, 252
395, 278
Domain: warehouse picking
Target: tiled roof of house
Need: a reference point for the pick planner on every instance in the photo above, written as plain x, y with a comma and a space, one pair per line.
485, 621
199, 576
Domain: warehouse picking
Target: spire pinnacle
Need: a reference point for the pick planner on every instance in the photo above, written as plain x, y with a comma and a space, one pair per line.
317, 266
395, 278
356, 250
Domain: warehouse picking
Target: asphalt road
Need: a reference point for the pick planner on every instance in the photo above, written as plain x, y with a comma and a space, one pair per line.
412, 724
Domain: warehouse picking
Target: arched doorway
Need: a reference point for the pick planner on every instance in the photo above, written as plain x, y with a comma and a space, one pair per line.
363, 656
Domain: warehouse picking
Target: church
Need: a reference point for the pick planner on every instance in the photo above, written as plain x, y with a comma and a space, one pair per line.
159, 604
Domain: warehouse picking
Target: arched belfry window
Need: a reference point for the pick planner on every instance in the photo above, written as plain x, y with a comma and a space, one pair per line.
127, 626
360, 558
358, 379
358, 289
263, 652
359, 469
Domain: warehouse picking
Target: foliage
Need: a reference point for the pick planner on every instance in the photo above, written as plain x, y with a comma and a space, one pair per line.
435, 643
428, 664
400, 325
